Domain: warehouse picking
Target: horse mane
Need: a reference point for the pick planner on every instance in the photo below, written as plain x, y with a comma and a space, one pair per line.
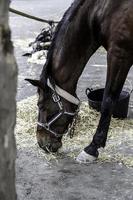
69, 14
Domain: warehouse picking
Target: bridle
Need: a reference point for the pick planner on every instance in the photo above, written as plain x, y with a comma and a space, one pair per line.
57, 93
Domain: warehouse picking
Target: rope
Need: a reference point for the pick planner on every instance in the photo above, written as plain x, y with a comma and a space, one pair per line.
50, 22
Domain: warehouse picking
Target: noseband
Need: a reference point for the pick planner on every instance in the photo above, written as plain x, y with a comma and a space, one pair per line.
58, 92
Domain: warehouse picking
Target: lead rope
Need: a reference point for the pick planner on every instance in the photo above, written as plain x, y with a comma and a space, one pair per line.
50, 22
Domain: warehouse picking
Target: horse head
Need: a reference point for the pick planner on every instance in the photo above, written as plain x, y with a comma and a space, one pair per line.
56, 111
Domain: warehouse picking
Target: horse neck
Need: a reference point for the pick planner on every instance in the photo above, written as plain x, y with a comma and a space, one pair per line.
73, 47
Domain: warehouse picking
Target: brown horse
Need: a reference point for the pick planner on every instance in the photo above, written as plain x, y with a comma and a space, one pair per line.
86, 25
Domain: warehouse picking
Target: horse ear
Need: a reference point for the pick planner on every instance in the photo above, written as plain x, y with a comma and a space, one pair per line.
36, 83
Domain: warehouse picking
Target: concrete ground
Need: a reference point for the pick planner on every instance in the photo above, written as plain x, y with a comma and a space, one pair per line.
65, 180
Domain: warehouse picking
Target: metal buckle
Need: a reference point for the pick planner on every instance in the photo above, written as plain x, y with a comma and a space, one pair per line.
55, 97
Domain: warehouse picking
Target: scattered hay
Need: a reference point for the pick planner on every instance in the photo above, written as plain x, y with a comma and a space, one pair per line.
120, 137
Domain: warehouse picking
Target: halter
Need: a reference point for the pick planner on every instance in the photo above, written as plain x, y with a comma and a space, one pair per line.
58, 92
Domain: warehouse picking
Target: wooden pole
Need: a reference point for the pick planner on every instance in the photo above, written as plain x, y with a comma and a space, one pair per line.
8, 82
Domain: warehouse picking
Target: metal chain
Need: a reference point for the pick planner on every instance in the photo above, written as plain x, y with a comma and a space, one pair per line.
72, 126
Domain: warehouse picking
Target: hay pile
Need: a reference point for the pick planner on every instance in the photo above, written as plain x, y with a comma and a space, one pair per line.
120, 138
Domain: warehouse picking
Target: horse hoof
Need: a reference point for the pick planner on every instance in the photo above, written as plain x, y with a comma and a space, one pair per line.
84, 157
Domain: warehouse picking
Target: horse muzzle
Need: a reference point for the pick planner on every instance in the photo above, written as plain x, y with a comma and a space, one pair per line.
48, 143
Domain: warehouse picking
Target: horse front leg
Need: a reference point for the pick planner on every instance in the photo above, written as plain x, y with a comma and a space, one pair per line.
119, 63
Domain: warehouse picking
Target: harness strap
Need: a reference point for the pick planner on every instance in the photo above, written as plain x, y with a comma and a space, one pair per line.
56, 99
64, 93
50, 22
50, 122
